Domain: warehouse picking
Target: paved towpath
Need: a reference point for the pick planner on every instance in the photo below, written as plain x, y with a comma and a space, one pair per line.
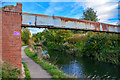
35, 69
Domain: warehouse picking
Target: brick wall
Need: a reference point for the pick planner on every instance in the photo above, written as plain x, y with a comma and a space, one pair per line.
11, 34
0, 35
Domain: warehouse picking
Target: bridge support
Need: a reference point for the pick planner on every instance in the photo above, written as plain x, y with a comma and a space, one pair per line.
11, 34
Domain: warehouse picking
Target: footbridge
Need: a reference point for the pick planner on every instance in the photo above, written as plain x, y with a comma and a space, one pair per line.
12, 19
56, 22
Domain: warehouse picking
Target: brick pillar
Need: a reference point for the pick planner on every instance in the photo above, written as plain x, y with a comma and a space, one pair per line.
11, 34
0, 35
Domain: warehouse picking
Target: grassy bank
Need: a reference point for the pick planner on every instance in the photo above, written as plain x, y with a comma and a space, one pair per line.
23, 45
50, 68
27, 72
9, 71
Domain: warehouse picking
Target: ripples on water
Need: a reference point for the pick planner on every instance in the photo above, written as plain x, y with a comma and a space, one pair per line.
84, 67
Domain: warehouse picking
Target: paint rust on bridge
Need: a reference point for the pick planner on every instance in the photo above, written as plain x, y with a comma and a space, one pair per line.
56, 22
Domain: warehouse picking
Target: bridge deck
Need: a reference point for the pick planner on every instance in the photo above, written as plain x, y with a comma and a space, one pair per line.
55, 22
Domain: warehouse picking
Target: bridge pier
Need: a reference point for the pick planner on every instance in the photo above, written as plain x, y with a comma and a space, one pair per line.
11, 34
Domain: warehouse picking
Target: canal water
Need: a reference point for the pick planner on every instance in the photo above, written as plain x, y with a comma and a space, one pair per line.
83, 67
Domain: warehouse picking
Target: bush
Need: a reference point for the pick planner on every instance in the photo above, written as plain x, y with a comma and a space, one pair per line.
25, 36
9, 71
102, 47
27, 72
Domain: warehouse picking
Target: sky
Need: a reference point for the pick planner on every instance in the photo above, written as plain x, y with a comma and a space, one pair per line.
107, 10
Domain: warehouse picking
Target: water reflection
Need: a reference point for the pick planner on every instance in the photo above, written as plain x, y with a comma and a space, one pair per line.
84, 67
44, 52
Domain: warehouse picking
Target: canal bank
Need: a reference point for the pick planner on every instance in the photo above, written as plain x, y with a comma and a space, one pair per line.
83, 67
36, 70
50, 68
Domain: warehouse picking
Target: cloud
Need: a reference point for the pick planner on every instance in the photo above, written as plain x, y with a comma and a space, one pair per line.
53, 7
75, 8
40, 30
77, 16
106, 9
39, 5
58, 8
54, 0
35, 30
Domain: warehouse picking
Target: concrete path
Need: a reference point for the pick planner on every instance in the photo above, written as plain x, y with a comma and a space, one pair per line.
35, 69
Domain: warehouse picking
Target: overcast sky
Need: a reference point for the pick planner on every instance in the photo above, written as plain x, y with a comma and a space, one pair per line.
107, 10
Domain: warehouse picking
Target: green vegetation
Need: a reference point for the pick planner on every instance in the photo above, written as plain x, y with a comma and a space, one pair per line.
23, 45
103, 48
25, 35
50, 68
0, 71
54, 39
8, 71
100, 46
90, 15
27, 72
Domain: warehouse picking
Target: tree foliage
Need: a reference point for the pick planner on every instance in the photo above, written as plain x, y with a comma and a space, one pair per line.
58, 36
90, 15
25, 36
54, 39
37, 37
102, 47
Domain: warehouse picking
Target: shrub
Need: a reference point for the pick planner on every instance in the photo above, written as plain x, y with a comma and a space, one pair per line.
9, 71
102, 47
27, 72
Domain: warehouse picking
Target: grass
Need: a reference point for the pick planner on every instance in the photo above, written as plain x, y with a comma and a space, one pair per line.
0, 71
23, 45
50, 68
27, 72
9, 71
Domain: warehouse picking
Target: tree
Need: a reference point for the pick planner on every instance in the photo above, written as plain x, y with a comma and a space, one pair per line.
54, 39
57, 36
25, 36
90, 14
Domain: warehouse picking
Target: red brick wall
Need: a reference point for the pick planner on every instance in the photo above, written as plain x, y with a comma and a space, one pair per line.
0, 36
11, 34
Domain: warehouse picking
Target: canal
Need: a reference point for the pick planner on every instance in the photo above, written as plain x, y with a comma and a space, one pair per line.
83, 67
